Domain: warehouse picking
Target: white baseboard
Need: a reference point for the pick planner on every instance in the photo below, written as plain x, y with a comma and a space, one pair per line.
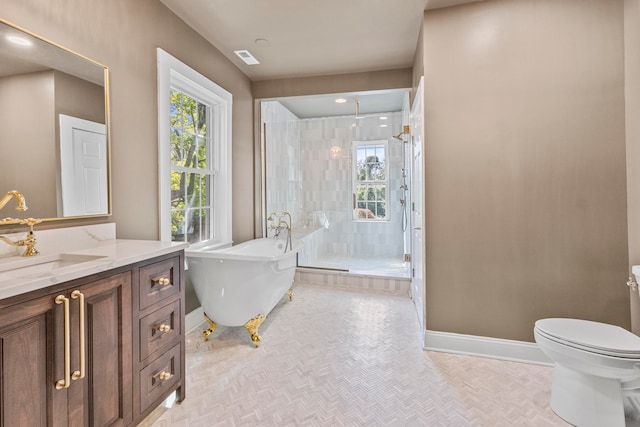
495, 348
193, 320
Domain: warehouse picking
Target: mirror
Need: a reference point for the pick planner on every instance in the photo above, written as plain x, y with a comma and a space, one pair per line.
54, 142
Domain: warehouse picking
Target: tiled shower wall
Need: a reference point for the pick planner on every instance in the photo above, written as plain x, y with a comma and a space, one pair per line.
282, 152
327, 183
305, 179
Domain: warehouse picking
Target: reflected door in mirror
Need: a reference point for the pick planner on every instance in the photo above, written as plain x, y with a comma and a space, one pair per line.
83, 167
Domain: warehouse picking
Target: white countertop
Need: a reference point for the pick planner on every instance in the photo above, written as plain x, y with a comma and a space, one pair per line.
19, 274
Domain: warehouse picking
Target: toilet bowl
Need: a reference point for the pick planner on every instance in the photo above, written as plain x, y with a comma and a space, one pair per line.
596, 378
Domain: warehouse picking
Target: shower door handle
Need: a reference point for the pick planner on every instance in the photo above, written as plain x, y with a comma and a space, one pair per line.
354, 201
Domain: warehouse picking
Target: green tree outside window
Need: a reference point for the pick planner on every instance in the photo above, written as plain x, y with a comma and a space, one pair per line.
191, 176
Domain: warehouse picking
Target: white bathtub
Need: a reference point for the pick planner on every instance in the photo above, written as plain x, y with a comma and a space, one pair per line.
240, 285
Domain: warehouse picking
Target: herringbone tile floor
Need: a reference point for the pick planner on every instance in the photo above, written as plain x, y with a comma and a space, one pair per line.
335, 357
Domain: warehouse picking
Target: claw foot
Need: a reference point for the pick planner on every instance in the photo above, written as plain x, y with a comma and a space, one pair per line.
212, 327
252, 326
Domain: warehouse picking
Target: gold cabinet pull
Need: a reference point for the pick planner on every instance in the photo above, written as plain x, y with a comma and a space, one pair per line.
164, 375
164, 328
66, 381
76, 375
162, 281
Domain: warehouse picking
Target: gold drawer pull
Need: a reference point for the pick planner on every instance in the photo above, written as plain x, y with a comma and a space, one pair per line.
162, 281
164, 328
66, 381
76, 375
164, 375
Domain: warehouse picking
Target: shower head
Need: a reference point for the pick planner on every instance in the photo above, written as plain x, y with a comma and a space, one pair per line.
406, 130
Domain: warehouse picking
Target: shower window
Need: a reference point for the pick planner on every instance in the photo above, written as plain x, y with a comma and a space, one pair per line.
195, 154
370, 181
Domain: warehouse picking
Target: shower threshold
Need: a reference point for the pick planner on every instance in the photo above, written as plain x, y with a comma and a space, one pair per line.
379, 267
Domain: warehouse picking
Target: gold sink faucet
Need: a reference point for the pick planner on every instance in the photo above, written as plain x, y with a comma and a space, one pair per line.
30, 241
22, 204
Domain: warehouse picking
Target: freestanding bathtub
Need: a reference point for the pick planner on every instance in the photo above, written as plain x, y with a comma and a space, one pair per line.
240, 285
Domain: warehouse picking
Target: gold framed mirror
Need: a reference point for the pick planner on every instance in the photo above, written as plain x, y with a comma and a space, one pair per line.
54, 128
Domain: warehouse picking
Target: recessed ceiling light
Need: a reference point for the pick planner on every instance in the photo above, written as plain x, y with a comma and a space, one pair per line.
383, 126
340, 100
383, 117
21, 41
246, 56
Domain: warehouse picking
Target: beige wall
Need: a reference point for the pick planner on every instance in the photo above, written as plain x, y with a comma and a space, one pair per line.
525, 185
22, 98
338, 83
632, 111
124, 36
78, 98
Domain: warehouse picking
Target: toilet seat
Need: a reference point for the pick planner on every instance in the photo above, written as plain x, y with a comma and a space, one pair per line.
594, 337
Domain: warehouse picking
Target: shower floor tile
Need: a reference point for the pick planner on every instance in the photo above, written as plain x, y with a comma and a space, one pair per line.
334, 357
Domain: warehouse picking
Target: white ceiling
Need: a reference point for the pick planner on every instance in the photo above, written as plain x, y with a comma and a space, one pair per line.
371, 102
311, 37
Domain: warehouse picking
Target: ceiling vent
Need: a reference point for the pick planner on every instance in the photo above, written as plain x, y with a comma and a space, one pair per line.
246, 57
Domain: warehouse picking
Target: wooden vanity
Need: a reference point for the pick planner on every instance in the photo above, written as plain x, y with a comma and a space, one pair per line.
104, 349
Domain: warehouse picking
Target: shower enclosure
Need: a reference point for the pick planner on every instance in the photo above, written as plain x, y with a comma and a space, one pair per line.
342, 178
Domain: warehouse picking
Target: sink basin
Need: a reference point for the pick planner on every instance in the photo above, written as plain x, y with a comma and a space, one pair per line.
40, 266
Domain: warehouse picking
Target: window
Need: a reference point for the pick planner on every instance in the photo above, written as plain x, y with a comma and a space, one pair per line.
370, 180
191, 169
194, 127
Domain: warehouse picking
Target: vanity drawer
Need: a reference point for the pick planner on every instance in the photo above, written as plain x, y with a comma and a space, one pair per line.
159, 376
159, 329
159, 281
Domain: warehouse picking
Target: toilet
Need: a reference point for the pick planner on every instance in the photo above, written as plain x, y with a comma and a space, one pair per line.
596, 377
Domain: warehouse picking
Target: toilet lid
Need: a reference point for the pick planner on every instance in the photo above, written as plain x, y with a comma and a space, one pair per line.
591, 336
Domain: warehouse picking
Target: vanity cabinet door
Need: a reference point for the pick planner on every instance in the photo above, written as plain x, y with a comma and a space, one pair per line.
32, 357
104, 396
29, 332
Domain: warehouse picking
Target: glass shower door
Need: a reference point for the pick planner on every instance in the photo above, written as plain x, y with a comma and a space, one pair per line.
327, 201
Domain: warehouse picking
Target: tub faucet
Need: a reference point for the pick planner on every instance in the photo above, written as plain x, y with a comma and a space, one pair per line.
279, 222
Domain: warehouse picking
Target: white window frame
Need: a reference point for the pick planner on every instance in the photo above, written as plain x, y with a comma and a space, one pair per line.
354, 179
173, 73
